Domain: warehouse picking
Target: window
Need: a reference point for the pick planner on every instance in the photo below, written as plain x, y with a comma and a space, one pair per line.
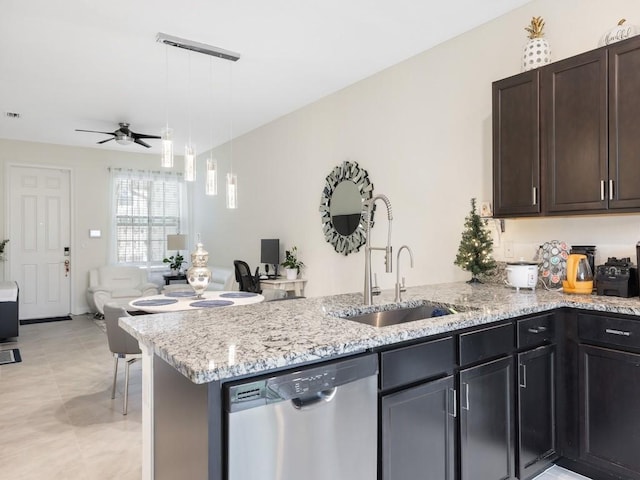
147, 206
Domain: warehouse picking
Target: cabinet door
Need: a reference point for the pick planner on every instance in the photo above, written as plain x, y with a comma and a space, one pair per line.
574, 138
610, 410
516, 146
624, 125
418, 430
536, 410
486, 421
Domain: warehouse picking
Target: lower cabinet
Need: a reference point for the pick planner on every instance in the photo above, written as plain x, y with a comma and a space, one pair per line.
610, 409
486, 421
418, 432
536, 410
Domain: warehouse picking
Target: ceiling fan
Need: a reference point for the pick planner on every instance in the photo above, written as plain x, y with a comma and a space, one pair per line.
124, 136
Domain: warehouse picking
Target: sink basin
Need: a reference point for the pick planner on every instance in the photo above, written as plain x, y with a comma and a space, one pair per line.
386, 318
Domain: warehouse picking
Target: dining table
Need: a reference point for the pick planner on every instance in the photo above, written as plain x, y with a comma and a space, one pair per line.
173, 301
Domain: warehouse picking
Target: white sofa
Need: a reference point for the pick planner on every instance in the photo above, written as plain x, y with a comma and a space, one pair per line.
119, 285
222, 278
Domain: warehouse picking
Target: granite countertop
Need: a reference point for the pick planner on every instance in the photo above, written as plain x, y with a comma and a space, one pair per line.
223, 343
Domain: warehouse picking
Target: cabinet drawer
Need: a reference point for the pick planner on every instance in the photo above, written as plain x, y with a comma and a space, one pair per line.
614, 331
417, 362
486, 343
535, 331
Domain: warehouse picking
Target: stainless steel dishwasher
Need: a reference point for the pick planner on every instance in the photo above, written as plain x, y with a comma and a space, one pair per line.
317, 423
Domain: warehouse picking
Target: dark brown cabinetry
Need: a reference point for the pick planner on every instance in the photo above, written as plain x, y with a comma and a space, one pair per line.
610, 410
418, 412
516, 146
624, 125
487, 429
418, 432
609, 389
574, 139
587, 151
536, 394
486, 421
536, 410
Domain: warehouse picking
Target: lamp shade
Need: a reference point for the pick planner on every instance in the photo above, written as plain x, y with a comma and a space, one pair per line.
176, 242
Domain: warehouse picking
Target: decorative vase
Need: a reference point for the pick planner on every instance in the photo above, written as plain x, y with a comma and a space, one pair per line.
199, 275
537, 51
292, 273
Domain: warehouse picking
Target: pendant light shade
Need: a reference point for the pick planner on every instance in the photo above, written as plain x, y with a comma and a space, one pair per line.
190, 162
232, 190
211, 185
166, 160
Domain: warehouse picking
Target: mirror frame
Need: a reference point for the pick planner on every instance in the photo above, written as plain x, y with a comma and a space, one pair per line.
348, 171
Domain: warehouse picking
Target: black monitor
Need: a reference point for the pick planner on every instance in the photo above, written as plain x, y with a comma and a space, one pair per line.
270, 253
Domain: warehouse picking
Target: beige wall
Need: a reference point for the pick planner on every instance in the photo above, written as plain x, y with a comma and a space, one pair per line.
423, 131
421, 128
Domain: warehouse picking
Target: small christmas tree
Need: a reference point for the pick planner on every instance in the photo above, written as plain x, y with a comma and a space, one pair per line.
476, 246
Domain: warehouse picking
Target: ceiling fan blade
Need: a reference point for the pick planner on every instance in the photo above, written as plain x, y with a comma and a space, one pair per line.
140, 142
107, 140
95, 131
142, 135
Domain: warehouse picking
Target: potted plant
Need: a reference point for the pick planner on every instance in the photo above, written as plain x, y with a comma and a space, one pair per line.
175, 262
2, 244
291, 264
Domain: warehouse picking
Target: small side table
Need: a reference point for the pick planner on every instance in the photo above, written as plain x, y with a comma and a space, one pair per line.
281, 283
174, 277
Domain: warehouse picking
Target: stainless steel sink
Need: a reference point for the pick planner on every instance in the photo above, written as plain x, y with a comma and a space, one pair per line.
386, 318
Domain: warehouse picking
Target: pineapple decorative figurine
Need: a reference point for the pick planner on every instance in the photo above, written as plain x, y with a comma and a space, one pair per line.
199, 274
537, 51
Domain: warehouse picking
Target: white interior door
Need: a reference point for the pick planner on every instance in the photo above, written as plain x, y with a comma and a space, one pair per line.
40, 232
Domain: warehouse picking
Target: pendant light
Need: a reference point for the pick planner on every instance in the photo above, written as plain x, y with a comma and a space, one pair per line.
189, 148
166, 158
232, 179
211, 184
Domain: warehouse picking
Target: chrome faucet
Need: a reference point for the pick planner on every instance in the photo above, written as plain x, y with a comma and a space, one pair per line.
367, 249
401, 288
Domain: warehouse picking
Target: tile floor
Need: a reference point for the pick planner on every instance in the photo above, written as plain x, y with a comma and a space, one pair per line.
57, 420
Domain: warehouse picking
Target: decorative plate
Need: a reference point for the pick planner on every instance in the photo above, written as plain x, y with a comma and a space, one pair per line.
156, 302
211, 303
553, 263
238, 295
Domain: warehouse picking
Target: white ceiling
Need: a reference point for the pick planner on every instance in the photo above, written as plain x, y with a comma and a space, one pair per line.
87, 64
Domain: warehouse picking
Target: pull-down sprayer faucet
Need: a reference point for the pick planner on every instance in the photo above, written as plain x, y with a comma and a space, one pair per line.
388, 258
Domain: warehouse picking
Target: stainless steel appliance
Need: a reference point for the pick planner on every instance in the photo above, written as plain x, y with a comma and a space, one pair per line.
317, 423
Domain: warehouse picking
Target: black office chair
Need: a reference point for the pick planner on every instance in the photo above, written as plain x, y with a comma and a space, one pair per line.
247, 282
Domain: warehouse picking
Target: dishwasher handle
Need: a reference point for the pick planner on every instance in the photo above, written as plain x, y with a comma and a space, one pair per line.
308, 401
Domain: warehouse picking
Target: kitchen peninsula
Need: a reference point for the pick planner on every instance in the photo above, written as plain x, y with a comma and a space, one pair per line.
197, 353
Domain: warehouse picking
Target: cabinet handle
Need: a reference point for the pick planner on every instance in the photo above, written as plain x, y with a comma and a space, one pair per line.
535, 195
466, 395
455, 401
601, 189
536, 330
610, 189
523, 375
618, 332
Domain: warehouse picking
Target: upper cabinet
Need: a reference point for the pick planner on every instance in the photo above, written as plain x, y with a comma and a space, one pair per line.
624, 125
516, 140
574, 132
582, 155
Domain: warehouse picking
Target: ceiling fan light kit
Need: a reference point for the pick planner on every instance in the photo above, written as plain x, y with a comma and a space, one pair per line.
123, 136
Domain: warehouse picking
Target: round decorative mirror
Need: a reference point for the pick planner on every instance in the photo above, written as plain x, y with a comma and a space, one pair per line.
345, 198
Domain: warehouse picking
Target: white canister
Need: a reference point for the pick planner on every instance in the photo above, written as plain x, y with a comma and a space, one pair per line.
522, 275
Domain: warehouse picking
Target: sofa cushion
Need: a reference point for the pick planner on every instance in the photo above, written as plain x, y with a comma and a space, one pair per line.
126, 292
